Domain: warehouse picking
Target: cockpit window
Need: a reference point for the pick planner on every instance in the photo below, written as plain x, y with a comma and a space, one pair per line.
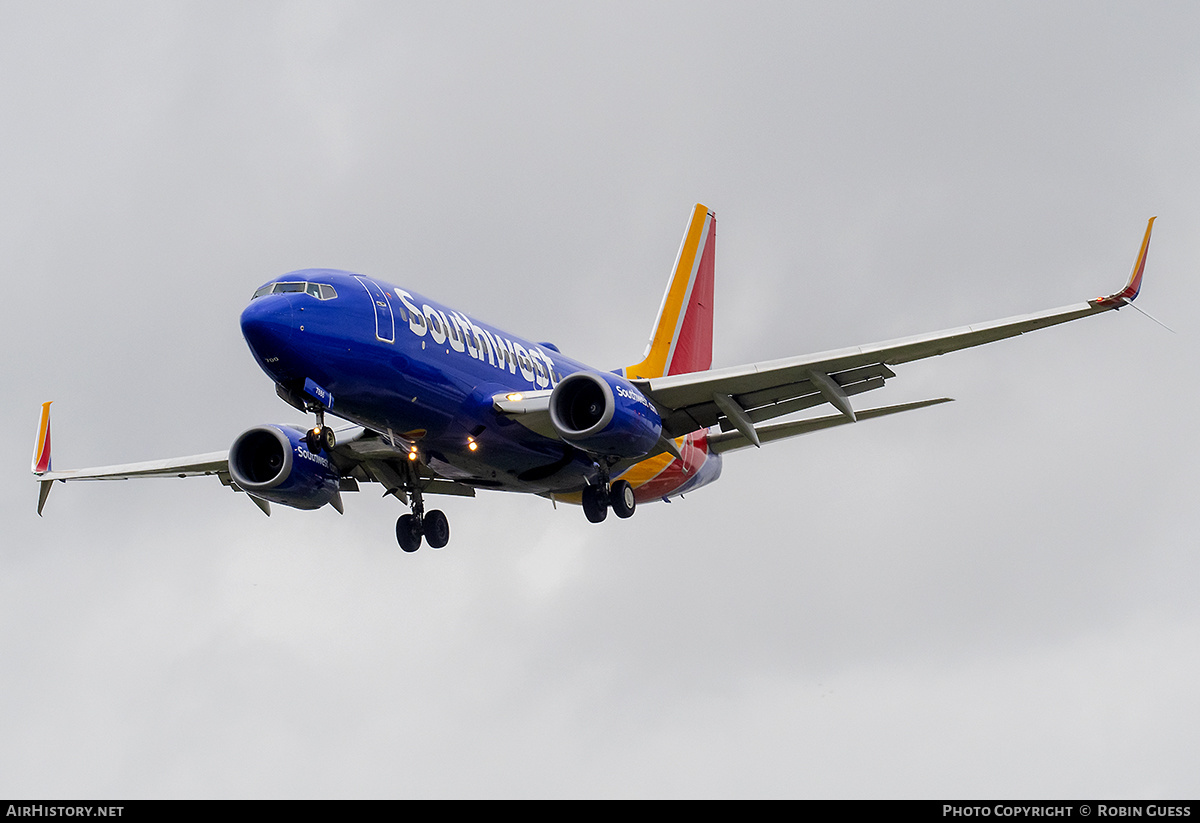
321, 291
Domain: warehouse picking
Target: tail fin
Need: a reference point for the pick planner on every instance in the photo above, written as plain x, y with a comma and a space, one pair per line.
682, 338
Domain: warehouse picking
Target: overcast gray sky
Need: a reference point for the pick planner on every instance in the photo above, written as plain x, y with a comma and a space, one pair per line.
994, 597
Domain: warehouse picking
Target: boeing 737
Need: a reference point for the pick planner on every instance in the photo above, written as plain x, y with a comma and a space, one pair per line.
440, 402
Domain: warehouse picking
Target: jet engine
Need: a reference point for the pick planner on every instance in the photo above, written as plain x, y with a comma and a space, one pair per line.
604, 414
273, 463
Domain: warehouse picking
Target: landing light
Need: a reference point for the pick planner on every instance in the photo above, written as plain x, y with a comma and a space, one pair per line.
515, 396
471, 444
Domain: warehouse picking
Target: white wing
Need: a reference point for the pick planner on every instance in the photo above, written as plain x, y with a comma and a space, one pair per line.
361, 455
740, 397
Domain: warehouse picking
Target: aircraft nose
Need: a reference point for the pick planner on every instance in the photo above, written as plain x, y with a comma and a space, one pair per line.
267, 325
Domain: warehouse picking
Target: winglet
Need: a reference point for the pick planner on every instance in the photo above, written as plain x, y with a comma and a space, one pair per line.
1130, 292
43, 492
41, 447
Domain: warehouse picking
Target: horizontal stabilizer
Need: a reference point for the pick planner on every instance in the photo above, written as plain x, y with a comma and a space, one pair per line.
733, 440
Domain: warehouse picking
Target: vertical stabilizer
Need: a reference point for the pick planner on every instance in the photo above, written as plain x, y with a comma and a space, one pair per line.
682, 338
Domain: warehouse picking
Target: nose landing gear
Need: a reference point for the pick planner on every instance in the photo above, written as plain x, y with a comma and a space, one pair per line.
320, 436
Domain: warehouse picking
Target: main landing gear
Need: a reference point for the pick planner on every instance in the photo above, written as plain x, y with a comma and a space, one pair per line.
598, 498
432, 526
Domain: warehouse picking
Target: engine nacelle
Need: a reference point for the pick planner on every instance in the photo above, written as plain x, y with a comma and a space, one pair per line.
273, 463
604, 414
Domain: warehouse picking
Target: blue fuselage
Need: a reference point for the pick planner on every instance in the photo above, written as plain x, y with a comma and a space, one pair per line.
412, 368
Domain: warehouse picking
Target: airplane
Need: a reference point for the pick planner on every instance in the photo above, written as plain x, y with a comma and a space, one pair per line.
440, 402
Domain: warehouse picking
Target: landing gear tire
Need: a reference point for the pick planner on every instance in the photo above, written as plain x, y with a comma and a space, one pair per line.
408, 533
320, 437
621, 499
437, 529
595, 503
